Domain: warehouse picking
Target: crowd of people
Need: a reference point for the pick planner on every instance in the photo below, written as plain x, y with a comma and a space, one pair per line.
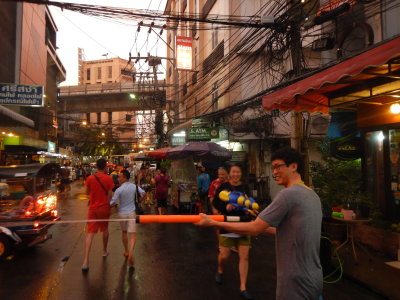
294, 217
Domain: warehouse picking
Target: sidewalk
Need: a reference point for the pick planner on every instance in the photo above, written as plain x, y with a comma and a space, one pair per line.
372, 272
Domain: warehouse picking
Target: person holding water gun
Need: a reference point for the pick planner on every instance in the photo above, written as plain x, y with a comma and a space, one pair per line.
227, 240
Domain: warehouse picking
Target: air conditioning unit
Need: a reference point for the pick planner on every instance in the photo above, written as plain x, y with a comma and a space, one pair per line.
319, 124
267, 19
323, 44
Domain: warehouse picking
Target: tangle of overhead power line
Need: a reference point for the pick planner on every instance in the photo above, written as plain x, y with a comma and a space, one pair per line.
138, 14
370, 11
225, 62
276, 45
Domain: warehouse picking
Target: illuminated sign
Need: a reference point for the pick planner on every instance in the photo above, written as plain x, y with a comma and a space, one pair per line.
183, 53
202, 134
22, 95
51, 147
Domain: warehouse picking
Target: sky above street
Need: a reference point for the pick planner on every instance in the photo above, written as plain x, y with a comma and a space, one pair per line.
103, 38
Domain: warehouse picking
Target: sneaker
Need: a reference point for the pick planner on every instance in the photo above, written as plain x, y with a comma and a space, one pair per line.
85, 268
218, 278
246, 295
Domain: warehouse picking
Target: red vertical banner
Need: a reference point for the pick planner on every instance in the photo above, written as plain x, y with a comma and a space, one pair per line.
184, 53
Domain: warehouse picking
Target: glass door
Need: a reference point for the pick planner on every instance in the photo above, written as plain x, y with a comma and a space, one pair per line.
394, 163
374, 167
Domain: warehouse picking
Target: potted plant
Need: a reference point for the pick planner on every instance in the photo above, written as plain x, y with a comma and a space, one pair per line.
338, 183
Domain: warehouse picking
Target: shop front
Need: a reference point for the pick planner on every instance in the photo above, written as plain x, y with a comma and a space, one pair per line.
381, 141
19, 150
367, 84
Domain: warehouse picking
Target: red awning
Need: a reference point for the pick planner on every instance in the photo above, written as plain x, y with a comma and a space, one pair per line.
308, 94
332, 4
160, 153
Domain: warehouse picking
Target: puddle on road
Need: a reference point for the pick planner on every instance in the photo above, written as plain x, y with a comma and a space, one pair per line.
62, 264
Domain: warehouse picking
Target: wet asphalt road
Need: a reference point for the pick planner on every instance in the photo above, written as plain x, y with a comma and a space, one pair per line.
173, 261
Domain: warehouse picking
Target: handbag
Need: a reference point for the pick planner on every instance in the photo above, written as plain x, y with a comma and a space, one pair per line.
139, 209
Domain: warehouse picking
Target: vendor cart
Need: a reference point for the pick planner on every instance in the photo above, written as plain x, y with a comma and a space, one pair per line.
27, 197
184, 187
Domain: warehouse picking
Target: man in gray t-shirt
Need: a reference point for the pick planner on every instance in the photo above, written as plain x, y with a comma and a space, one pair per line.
295, 217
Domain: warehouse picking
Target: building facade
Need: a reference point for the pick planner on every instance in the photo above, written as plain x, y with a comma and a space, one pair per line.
231, 69
260, 80
28, 57
105, 80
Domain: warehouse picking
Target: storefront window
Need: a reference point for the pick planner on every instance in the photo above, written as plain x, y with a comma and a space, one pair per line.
374, 166
394, 154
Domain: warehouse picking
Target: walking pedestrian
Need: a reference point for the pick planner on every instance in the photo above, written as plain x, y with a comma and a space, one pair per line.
215, 184
125, 196
161, 194
203, 184
99, 188
65, 174
228, 239
144, 181
134, 171
114, 176
295, 217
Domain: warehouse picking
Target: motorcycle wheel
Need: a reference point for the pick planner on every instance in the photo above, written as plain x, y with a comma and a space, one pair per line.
5, 246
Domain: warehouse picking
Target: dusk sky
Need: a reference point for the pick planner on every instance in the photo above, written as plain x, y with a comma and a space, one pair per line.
99, 37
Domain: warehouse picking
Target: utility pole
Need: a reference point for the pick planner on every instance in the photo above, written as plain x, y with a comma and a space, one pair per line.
154, 61
297, 138
159, 126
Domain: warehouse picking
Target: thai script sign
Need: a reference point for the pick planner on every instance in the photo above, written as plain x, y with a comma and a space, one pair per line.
183, 53
22, 95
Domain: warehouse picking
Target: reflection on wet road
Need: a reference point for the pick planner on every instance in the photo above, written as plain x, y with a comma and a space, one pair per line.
173, 261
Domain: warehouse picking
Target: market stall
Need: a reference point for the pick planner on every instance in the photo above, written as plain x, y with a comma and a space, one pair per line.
183, 170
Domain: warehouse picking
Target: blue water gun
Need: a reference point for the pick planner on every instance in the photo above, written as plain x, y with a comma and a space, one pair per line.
239, 200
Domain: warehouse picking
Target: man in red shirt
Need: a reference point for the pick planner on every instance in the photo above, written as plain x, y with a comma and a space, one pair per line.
215, 184
99, 187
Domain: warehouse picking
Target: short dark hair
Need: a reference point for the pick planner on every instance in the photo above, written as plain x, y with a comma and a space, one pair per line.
222, 169
289, 156
126, 174
101, 164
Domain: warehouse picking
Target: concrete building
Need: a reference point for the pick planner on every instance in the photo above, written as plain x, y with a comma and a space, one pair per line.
240, 72
128, 127
230, 68
104, 70
28, 57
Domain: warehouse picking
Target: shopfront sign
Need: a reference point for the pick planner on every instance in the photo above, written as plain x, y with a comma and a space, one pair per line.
178, 140
183, 53
223, 135
25, 141
201, 134
51, 147
239, 156
21, 95
346, 148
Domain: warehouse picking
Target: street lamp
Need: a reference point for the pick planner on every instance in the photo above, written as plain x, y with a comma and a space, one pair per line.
84, 123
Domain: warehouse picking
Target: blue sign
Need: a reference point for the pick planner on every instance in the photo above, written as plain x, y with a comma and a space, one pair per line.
22, 95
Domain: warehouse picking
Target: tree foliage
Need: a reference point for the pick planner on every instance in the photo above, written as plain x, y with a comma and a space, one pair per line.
97, 141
